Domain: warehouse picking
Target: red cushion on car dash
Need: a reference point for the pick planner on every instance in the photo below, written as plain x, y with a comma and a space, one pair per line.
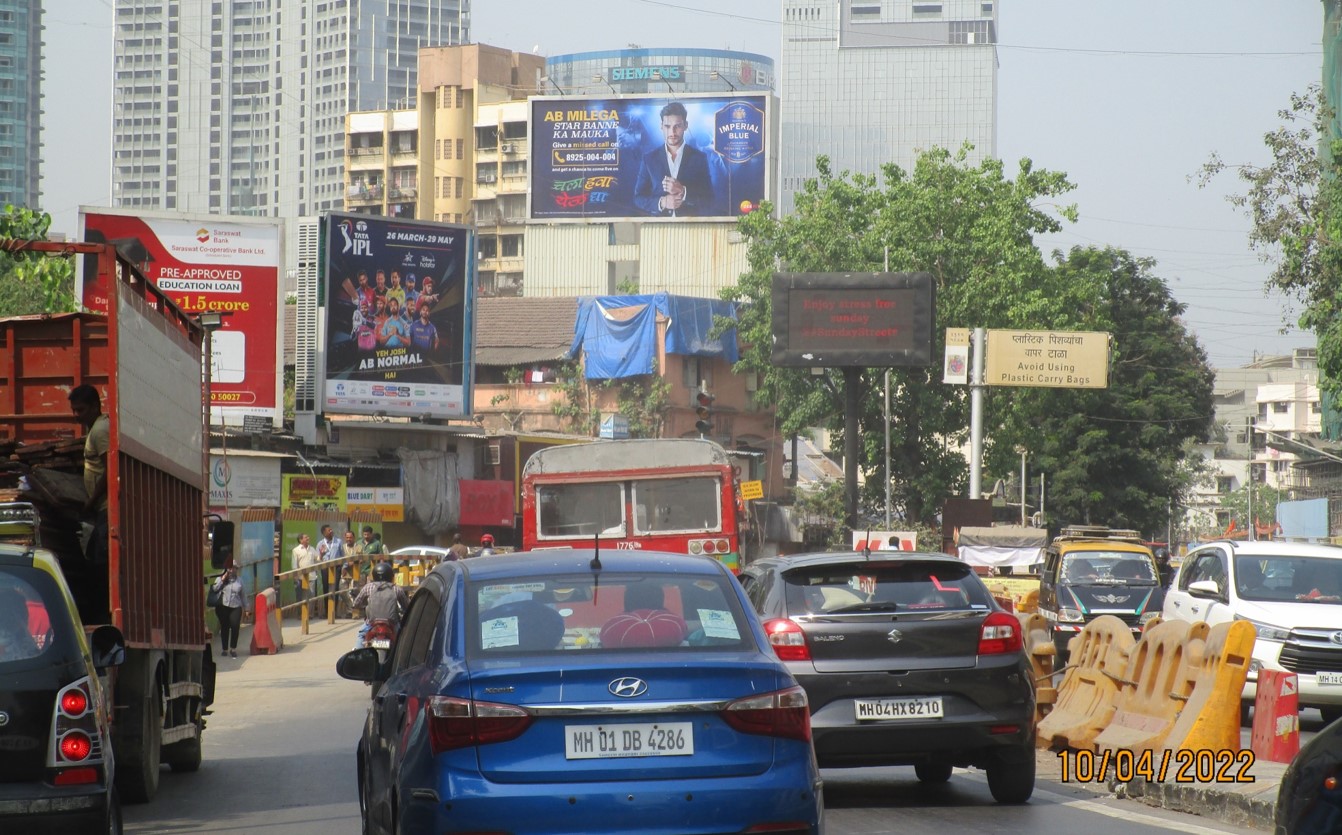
643, 628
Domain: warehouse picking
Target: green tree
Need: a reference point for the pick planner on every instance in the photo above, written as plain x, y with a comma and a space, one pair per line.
973, 229
1116, 456
1295, 205
1265, 501
31, 282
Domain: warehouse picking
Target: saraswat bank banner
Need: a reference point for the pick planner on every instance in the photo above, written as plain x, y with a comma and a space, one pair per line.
209, 262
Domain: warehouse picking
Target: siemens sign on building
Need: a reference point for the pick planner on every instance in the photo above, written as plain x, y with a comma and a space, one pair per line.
658, 71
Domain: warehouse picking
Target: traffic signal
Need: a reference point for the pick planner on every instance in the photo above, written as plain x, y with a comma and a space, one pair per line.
703, 411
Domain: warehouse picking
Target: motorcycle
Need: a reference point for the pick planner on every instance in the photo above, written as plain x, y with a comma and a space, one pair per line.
380, 636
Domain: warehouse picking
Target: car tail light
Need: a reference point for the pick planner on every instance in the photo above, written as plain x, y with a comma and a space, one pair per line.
75, 746
460, 723
1003, 729
76, 776
783, 713
1000, 634
788, 640
75, 733
74, 703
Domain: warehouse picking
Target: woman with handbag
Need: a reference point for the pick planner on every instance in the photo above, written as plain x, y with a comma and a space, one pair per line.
227, 594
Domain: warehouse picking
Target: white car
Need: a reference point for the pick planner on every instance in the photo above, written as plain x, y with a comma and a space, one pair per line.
1290, 592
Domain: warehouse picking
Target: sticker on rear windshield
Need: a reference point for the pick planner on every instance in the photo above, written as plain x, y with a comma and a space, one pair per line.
508, 588
499, 632
718, 623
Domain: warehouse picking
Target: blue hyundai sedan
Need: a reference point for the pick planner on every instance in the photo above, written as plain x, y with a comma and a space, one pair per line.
567, 691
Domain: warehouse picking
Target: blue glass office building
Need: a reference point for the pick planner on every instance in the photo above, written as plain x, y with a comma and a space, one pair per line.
20, 102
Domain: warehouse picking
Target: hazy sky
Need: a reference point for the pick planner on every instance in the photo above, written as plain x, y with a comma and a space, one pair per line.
1127, 98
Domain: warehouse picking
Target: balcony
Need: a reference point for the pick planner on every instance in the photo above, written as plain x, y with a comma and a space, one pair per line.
404, 193
375, 151
364, 193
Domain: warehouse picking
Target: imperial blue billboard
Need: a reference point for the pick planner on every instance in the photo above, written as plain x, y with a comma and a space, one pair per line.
397, 297
703, 157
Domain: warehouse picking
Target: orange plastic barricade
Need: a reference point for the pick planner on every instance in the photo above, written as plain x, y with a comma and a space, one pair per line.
1276, 717
1210, 719
1158, 680
1041, 652
1085, 700
267, 639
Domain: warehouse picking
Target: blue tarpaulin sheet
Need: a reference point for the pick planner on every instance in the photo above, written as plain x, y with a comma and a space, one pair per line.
617, 335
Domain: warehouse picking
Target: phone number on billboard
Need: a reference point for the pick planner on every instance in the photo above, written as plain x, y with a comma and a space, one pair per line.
572, 157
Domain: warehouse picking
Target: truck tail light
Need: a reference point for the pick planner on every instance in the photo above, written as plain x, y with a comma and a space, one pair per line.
782, 713
787, 639
460, 723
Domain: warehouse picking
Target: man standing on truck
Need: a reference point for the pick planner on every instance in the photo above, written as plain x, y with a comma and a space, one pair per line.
88, 410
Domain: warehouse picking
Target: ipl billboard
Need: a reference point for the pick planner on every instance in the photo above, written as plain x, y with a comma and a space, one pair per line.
209, 262
397, 299
703, 157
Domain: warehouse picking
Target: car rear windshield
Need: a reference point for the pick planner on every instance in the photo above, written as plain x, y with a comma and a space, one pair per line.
1285, 578
1112, 567
853, 588
34, 621
596, 613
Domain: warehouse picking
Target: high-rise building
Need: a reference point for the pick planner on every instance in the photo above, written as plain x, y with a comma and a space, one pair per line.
20, 102
239, 107
867, 82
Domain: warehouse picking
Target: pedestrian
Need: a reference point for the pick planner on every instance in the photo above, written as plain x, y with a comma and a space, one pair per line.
329, 548
305, 557
486, 546
344, 596
372, 543
229, 610
459, 551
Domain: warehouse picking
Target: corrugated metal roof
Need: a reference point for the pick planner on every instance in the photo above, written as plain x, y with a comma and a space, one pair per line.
517, 331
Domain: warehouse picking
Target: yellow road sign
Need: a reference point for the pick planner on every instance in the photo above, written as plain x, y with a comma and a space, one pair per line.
752, 490
1054, 359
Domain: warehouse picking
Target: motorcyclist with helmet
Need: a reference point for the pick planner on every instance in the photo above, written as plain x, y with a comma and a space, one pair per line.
381, 599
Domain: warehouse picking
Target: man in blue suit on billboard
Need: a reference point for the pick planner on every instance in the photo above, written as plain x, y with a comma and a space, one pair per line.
674, 179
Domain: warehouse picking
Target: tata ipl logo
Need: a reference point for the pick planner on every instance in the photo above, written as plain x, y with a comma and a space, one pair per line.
203, 235
356, 238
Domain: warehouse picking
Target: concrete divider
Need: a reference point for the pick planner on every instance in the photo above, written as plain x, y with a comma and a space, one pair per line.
1276, 717
1209, 720
1099, 657
267, 638
1152, 690
1042, 654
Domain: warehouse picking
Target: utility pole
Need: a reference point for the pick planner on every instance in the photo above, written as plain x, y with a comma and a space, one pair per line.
976, 419
1253, 535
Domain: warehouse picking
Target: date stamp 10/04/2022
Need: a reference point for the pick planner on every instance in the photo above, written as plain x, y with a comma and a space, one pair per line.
1184, 765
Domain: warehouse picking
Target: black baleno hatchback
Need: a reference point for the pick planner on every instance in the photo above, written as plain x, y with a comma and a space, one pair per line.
906, 660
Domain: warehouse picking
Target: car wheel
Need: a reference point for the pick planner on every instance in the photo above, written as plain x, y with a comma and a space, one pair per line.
1011, 775
932, 772
1330, 714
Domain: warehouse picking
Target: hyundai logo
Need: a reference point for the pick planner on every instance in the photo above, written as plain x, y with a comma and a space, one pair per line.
894, 636
628, 687
1336, 638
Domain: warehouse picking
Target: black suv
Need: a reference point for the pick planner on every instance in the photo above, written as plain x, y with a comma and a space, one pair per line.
906, 660
56, 770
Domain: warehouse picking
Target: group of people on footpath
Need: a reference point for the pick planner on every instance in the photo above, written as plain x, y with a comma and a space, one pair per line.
345, 553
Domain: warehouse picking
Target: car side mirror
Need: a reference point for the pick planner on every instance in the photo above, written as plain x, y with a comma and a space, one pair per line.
221, 544
360, 665
1208, 589
108, 647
